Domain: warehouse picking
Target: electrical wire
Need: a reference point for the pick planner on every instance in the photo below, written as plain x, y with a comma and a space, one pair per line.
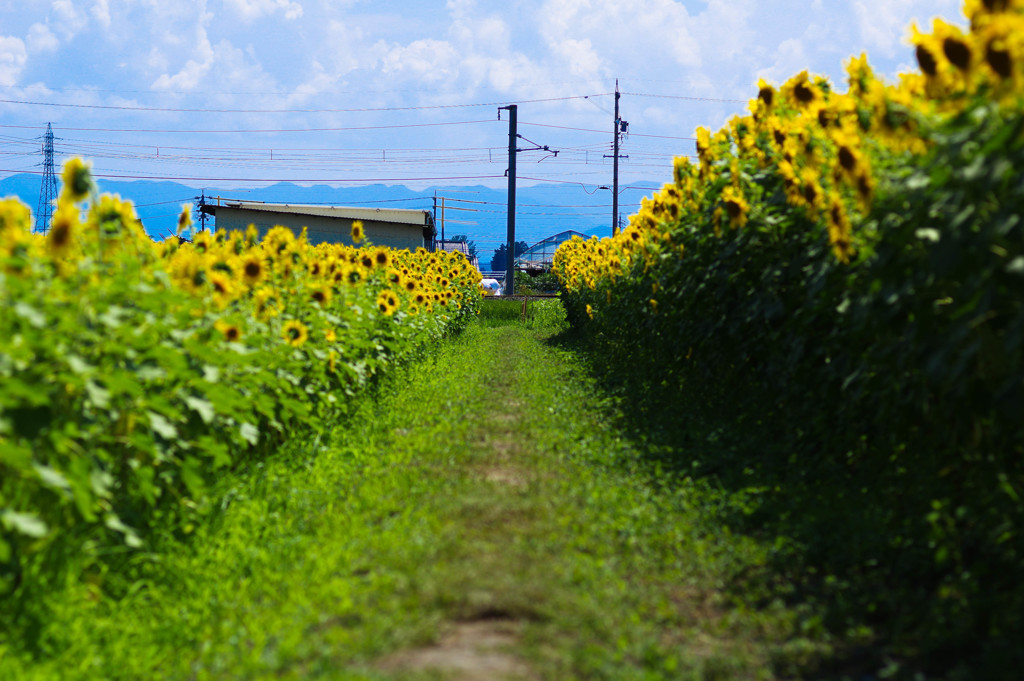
110, 107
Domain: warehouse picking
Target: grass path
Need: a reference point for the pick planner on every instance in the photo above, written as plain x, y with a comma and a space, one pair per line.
483, 520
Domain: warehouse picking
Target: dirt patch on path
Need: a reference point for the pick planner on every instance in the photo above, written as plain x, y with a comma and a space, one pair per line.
468, 651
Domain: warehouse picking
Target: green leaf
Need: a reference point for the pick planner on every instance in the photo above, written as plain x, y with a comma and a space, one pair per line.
98, 395
27, 524
52, 478
202, 407
211, 373
192, 477
33, 316
161, 426
250, 433
79, 365
131, 537
1016, 266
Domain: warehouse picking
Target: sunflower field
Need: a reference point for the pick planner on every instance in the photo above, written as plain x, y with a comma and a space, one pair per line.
842, 273
133, 372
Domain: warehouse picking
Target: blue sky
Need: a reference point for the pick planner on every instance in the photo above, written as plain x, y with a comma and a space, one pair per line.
243, 92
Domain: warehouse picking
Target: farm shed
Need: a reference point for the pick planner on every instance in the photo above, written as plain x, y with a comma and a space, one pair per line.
457, 247
394, 227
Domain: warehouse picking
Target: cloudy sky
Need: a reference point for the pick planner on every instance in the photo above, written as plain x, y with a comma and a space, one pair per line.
239, 92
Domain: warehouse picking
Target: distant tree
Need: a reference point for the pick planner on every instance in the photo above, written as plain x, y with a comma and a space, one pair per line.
471, 245
499, 260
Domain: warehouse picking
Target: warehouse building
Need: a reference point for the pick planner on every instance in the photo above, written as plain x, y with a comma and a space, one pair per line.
394, 227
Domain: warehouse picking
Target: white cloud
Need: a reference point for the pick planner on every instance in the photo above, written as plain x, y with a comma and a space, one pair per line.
12, 59
790, 59
41, 39
581, 58
614, 37
884, 24
101, 12
69, 21
256, 9
428, 60
191, 74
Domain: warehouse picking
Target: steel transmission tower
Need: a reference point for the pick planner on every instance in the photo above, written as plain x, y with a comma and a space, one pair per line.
48, 190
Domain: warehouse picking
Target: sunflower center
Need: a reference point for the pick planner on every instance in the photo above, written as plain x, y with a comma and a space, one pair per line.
733, 208
926, 60
958, 52
846, 158
803, 93
60, 234
999, 60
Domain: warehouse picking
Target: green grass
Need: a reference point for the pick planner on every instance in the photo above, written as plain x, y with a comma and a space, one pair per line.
492, 483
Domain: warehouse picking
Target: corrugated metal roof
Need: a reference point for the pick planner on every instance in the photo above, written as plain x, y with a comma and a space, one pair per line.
400, 215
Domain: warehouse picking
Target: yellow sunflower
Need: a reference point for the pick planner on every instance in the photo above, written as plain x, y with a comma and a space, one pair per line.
294, 333
231, 332
387, 302
77, 178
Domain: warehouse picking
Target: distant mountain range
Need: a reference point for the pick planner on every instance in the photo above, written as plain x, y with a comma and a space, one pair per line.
478, 212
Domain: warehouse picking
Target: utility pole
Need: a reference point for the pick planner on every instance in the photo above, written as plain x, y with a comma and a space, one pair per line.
513, 137
619, 127
48, 189
615, 165
510, 285
200, 203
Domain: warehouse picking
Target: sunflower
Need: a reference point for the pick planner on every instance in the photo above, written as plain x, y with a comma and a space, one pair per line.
267, 302
223, 287
765, 92
839, 232
387, 302
77, 178
252, 269
955, 46
231, 332
736, 206
357, 231
294, 333
62, 229
801, 91
381, 258
184, 219
812, 196
321, 295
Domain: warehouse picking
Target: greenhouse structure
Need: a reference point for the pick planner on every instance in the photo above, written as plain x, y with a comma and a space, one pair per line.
538, 258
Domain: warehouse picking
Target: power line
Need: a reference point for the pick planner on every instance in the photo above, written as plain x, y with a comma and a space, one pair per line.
605, 132
353, 110
689, 99
117, 176
258, 130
